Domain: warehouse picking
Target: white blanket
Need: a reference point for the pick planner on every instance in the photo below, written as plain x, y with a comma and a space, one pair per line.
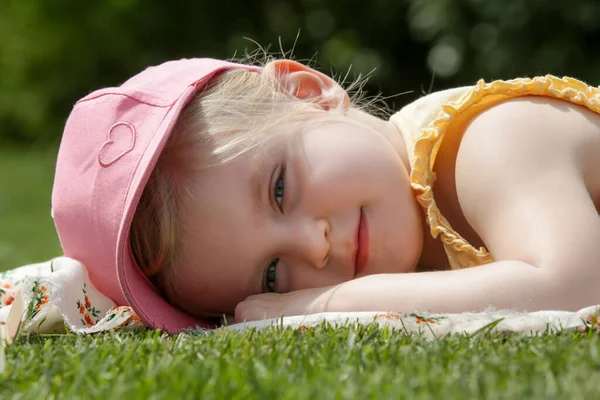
57, 296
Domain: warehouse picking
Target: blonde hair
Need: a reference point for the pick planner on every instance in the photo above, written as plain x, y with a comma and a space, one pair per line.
226, 119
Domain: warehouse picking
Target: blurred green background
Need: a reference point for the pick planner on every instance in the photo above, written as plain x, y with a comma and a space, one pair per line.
53, 52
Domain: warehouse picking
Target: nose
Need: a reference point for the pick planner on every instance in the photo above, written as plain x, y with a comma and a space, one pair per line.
311, 241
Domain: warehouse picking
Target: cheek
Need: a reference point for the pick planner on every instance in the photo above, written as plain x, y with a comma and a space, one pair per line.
348, 170
398, 232
202, 290
346, 162
375, 176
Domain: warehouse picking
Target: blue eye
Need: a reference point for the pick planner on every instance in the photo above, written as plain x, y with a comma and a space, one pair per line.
270, 275
279, 189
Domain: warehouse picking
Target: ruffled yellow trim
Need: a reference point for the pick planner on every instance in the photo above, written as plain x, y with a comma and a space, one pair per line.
430, 138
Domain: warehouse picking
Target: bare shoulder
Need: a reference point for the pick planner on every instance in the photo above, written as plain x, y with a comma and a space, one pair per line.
536, 127
526, 179
525, 139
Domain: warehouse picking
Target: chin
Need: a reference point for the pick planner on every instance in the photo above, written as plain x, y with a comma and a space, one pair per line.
405, 259
391, 265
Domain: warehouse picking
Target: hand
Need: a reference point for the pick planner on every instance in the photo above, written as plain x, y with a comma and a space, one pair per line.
274, 305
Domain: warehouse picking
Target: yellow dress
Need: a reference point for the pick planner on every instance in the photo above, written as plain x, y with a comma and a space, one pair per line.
445, 114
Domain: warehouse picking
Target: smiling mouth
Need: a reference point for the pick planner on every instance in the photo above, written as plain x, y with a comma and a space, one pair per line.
362, 244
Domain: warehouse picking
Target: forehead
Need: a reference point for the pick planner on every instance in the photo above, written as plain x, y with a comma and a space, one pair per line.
219, 241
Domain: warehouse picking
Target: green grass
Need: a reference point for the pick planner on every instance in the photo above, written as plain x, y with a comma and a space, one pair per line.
324, 363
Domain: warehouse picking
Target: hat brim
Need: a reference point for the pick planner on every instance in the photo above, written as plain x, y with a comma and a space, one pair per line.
142, 296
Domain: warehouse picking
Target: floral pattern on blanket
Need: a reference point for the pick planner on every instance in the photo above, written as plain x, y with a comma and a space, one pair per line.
436, 325
39, 297
90, 315
59, 297
7, 293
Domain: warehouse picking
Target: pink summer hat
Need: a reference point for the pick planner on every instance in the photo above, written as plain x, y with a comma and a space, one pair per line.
110, 145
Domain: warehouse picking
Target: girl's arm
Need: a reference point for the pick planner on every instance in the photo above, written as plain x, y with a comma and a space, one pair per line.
504, 284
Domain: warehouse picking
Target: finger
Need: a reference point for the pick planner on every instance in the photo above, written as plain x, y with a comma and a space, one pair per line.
254, 310
249, 310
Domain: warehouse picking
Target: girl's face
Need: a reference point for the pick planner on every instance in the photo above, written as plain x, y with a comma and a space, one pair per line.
323, 206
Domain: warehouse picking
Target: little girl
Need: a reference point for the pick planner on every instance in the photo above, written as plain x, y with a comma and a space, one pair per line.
201, 188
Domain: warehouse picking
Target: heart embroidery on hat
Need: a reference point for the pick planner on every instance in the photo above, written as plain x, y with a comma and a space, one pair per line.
120, 141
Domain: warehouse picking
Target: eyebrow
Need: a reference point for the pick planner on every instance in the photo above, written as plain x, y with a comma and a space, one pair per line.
257, 182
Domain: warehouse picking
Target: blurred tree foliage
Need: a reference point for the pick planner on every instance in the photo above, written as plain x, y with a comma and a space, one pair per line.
52, 52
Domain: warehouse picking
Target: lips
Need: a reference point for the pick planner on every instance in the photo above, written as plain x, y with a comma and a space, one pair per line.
362, 244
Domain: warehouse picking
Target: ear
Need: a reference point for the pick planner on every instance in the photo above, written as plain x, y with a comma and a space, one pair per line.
307, 84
